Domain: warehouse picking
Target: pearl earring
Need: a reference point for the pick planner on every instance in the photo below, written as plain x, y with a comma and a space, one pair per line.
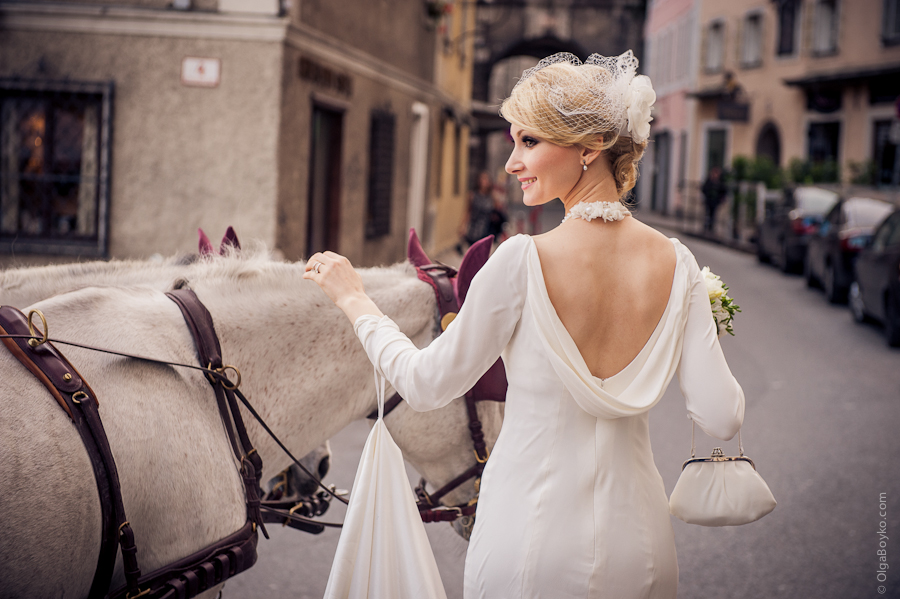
584, 165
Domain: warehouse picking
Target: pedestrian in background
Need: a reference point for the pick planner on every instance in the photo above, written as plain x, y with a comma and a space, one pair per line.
485, 213
713, 193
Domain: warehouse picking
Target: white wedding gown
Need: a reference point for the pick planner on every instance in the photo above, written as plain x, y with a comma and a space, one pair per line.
571, 502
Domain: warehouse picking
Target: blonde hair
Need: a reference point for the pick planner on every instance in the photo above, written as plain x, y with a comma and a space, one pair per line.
580, 122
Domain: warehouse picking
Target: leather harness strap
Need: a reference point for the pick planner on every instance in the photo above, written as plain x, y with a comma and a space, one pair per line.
78, 400
200, 324
197, 572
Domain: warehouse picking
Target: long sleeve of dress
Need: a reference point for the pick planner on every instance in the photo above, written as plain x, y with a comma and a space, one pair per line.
714, 399
431, 377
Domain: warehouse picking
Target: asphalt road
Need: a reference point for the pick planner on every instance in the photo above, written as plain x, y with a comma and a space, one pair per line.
823, 409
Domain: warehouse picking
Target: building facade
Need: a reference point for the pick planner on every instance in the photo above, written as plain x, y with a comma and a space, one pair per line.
310, 125
812, 85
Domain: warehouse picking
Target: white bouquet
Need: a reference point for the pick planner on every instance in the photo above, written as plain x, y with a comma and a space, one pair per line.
723, 307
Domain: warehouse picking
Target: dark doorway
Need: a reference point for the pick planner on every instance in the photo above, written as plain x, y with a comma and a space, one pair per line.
769, 143
662, 143
323, 217
822, 141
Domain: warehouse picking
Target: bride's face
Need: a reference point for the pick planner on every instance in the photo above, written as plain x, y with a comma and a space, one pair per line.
546, 171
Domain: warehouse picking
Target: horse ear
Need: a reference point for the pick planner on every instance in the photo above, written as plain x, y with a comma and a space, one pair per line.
206, 247
414, 251
230, 239
472, 262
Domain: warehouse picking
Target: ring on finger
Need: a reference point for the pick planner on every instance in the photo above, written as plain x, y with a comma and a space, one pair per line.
316, 267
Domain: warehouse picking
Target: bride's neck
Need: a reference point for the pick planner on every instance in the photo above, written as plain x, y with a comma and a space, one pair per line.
597, 185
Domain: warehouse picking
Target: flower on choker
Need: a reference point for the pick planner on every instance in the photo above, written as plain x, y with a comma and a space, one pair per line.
608, 211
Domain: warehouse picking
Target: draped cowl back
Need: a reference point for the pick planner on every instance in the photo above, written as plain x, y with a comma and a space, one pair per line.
571, 504
655, 364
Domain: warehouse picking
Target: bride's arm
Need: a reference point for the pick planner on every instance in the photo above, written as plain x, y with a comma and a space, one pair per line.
715, 400
431, 377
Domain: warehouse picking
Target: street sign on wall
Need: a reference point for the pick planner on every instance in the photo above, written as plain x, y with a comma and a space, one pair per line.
201, 72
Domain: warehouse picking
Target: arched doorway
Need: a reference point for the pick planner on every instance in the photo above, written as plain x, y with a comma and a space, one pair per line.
768, 143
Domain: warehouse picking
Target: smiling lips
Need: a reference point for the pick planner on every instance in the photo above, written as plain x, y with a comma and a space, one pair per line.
527, 182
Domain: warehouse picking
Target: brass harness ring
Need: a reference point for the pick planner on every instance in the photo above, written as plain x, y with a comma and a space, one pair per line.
45, 334
224, 380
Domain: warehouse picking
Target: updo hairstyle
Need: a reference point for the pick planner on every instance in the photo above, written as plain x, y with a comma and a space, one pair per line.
567, 106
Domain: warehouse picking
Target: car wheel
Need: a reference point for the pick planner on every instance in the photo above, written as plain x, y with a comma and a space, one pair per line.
857, 307
833, 290
891, 322
808, 273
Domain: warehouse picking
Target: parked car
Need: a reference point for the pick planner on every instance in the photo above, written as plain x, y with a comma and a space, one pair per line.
834, 246
784, 233
875, 290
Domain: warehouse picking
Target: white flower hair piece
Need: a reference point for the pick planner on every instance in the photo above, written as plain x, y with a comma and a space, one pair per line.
609, 98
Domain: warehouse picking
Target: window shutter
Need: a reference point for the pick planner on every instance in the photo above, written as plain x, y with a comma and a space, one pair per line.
381, 171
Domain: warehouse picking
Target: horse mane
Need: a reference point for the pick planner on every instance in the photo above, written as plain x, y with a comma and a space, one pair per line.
242, 266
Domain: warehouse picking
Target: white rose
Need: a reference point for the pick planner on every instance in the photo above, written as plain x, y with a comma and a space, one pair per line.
714, 285
640, 98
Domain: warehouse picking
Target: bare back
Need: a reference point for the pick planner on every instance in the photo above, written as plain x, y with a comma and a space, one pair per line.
610, 284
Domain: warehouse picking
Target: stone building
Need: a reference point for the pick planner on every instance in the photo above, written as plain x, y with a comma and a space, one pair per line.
811, 80
307, 124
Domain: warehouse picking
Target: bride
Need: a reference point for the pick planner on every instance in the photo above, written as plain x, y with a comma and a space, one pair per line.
592, 319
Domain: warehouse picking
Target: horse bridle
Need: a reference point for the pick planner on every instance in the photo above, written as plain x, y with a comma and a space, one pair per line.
430, 508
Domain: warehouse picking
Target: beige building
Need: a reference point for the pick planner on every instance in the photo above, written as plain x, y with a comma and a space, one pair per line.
814, 81
127, 124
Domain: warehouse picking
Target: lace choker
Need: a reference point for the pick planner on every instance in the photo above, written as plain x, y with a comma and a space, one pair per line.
590, 210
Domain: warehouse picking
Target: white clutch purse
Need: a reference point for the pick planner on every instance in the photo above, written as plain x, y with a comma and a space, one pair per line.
720, 490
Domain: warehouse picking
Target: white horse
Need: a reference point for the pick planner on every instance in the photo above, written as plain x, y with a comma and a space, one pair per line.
22, 287
302, 368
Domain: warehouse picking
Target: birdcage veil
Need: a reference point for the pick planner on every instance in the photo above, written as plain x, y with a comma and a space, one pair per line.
599, 96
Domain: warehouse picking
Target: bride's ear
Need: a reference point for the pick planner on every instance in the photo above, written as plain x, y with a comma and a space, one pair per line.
587, 156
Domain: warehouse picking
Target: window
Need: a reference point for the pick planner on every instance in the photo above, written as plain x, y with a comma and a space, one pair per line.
825, 21
891, 23
887, 234
822, 142
787, 27
884, 153
54, 167
716, 147
751, 44
381, 174
715, 47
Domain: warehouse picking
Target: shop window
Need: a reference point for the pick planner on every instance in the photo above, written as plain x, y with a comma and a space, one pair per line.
381, 173
751, 42
787, 27
884, 154
716, 148
715, 47
891, 23
822, 142
54, 167
825, 28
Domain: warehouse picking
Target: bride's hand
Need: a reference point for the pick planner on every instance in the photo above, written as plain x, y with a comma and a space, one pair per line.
343, 285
